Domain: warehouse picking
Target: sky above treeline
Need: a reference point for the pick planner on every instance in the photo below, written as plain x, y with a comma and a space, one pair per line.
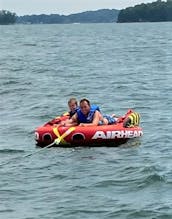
65, 7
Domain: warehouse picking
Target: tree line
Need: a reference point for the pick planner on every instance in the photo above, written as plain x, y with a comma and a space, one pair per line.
150, 12
99, 16
7, 17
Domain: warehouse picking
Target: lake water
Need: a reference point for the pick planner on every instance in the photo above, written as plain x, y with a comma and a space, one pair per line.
116, 66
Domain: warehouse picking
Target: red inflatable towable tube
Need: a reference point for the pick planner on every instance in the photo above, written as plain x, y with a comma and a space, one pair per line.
127, 127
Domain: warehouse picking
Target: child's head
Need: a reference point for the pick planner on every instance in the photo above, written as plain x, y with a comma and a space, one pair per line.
72, 103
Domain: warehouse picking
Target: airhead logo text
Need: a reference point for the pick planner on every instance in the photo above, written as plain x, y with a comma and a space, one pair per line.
117, 134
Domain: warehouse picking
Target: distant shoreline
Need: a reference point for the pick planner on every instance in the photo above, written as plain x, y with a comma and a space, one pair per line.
99, 16
158, 11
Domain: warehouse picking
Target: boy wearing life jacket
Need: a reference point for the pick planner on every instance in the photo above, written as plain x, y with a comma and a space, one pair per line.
73, 106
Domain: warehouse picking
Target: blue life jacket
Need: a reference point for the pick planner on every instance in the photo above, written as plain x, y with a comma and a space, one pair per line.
89, 118
71, 113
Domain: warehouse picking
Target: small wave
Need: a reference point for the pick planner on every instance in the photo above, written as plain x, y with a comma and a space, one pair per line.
11, 151
59, 176
27, 83
6, 210
17, 69
29, 44
106, 183
143, 107
141, 214
5, 92
151, 179
10, 82
137, 181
